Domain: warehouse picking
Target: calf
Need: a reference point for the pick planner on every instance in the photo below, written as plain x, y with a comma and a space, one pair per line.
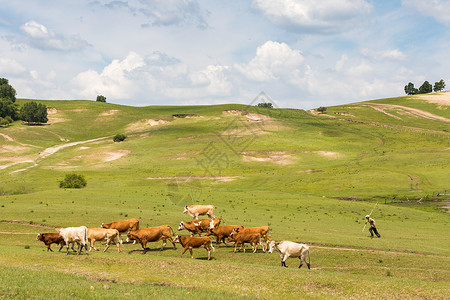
75, 235
123, 227
263, 230
199, 226
100, 234
190, 242
222, 232
242, 237
152, 234
51, 238
291, 249
199, 210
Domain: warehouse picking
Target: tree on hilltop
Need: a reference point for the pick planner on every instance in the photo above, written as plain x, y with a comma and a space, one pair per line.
101, 98
439, 86
410, 89
425, 88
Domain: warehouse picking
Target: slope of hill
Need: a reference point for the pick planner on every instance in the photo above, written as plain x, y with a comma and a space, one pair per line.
292, 170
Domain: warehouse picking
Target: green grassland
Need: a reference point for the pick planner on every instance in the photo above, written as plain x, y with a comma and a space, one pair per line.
310, 177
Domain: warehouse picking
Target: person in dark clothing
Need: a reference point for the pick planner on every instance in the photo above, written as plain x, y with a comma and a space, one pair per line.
373, 226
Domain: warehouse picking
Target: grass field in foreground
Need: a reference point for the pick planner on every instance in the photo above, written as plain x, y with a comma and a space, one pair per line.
288, 170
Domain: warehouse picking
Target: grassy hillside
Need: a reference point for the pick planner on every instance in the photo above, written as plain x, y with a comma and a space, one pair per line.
310, 177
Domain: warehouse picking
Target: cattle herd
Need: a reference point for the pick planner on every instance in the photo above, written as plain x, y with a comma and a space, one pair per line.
210, 227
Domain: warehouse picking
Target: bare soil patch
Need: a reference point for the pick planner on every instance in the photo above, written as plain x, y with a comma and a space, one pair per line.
114, 155
235, 112
413, 111
278, 157
144, 124
51, 110
13, 148
109, 112
442, 98
7, 137
327, 154
189, 178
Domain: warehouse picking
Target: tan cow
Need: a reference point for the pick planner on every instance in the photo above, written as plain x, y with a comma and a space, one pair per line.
240, 237
190, 242
222, 232
199, 226
152, 234
200, 210
263, 230
123, 227
100, 234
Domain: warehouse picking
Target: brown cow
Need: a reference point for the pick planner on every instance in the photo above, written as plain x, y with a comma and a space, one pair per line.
199, 226
190, 242
263, 230
152, 234
242, 237
123, 227
100, 234
51, 238
222, 232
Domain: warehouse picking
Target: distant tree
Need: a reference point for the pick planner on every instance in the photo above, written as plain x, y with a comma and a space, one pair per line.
101, 98
322, 109
265, 105
410, 89
439, 86
5, 121
425, 88
73, 181
6, 90
119, 137
7, 99
33, 113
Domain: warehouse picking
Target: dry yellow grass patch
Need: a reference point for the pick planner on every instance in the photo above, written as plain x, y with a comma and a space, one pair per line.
278, 157
442, 98
13, 148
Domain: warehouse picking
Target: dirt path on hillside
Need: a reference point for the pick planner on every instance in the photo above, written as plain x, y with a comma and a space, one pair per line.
6, 137
413, 111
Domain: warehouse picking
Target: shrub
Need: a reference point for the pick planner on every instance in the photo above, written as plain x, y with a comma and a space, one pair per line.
101, 98
265, 105
119, 137
322, 109
73, 181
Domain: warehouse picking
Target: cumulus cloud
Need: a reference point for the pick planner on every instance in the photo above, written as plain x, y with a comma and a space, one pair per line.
273, 60
438, 9
304, 16
391, 54
11, 66
41, 37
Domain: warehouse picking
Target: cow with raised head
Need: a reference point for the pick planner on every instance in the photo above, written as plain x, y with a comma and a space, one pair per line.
191, 242
100, 234
199, 210
222, 232
291, 249
51, 238
199, 226
75, 235
152, 234
123, 227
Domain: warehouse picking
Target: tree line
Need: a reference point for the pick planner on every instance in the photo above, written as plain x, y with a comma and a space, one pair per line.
425, 88
30, 112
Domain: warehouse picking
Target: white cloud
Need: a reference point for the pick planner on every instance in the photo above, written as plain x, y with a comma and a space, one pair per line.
303, 16
41, 37
273, 60
438, 9
391, 54
10, 66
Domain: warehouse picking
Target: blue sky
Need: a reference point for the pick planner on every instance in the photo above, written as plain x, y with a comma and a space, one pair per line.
303, 54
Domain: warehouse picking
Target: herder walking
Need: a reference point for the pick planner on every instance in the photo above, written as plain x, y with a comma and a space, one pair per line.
373, 226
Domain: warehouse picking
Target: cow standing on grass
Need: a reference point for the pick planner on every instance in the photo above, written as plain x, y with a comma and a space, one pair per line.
240, 237
190, 242
199, 210
199, 226
291, 249
123, 227
100, 234
51, 238
264, 231
75, 235
222, 232
152, 234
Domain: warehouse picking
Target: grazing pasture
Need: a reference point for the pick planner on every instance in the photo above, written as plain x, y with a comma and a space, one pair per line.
310, 178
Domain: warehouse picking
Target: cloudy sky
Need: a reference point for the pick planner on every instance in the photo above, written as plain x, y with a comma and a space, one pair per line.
302, 53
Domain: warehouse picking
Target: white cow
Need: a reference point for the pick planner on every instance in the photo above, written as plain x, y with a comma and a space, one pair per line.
291, 249
77, 235
199, 210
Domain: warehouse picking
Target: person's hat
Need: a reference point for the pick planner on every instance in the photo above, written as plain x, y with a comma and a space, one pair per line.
368, 216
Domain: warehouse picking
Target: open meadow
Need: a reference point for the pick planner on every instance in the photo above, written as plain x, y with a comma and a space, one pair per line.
311, 177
